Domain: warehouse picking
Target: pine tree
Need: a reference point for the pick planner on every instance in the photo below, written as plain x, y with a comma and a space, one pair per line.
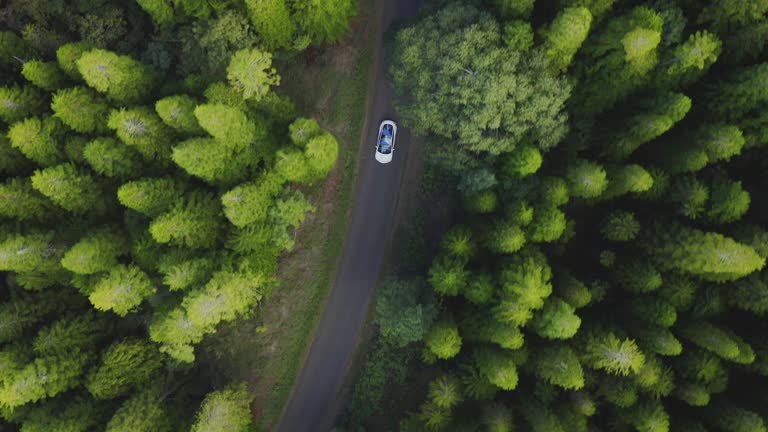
479, 328
523, 161
620, 226
250, 72
528, 276
433, 417
212, 160
497, 418
144, 130
176, 333
445, 391
480, 289
272, 21
586, 179
81, 108
572, 290
12, 50
69, 336
230, 126
448, 276
38, 252
121, 78
39, 139
649, 416
728, 201
638, 276
321, 153
122, 290
70, 188
608, 352
292, 165
692, 393
63, 414
194, 223
564, 36
324, 21
548, 224
18, 103
443, 339
556, 320
143, 412
45, 75
709, 337
189, 273
302, 130
625, 179
690, 195
67, 56
730, 417
709, 256
540, 418
738, 93
18, 200
619, 392
690, 60
653, 310
124, 365
553, 191
504, 237
162, 13
481, 202
96, 252
24, 311
152, 196
44, 377
225, 410
514, 8
498, 367
403, 312
178, 112
559, 365
110, 158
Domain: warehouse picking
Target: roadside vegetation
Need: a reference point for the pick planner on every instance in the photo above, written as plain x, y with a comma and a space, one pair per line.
153, 180
602, 265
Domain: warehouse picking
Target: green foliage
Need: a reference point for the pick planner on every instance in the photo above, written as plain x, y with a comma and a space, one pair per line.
497, 366
96, 252
18, 103
228, 125
505, 237
481, 202
124, 365
251, 73
563, 37
225, 410
608, 352
514, 8
152, 196
325, 21
178, 113
249, 202
524, 161
211, 160
19, 200
518, 35
559, 365
69, 336
443, 339
141, 413
548, 224
120, 78
556, 320
448, 276
110, 158
80, 108
272, 21
44, 377
71, 188
142, 129
586, 179
620, 226
494, 83
68, 55
689, 61
445, 391
45, 75
39, 139
122, 290
194, 222
404, 311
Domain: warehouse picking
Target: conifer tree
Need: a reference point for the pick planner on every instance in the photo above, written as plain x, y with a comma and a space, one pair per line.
211, 160
497, 418
121, 78
124, 365
564, 36
230, 126
649, 416
689, 61
514, 8
554, 191
13, 49
690, 195
189, 273
620, 226
548, 224
728, 201
433, 417
523, 161
152, 196
321, 153
481, 202
608, 352
302, 130
37, 252
18, 200
225, 410
248, 203
572, 290
176, 334
272, 21
70, 335
142, 129
448, 276
625, 179
586, 179
709, 256
250, 72
65, 414
709, 337
178, 112
44, 377
111, 158
443, 339
445, 391
39, 139
70, 188
67, 56
18, 103
45, 75
559, 365
122, 290
528, 276
540, 418
639, 276
194, 223
96, 252
653, 310
24, 311
738, 92
498, 367
556, 320
81, 108
730, 417
480, 289
143, 412
504, 237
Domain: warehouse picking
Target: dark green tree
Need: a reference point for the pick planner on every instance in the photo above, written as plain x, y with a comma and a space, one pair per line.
124, 365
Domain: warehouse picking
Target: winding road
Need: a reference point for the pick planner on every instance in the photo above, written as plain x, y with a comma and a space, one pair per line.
315, 403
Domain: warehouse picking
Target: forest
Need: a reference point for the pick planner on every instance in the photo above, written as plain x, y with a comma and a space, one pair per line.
151, 177
589, 252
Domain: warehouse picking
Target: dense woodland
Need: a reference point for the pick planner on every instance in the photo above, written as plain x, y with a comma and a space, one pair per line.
150, 179
604, 264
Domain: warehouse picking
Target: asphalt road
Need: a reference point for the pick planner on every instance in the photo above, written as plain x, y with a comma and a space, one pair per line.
315, 403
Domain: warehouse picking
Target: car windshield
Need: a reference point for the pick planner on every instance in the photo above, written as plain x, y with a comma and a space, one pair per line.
385, 139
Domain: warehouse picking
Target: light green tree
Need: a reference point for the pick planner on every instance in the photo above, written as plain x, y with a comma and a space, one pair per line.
39, 139
122, 290
151, 196
44, 377
81, 108
272, 21
556, 320
586, 179
448, 276
249, 202
96, 252
121, 78
18, 103
443, 339
324, 21
19, 200
737, 93
45, 75
144, 130
225, 410
514, 8
70, 335
71, 188
498, 366
67, 56
111, 158
445, 391
608, 352
230, 126
194, 223
564, 36
212, 160
559, 365
142, 412
620, 226
689, 61
178, 112
250, 72
124, 365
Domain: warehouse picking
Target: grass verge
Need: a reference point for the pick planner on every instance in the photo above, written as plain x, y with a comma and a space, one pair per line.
268, 349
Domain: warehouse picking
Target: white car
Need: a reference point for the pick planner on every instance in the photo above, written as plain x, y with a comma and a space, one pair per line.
385, 143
